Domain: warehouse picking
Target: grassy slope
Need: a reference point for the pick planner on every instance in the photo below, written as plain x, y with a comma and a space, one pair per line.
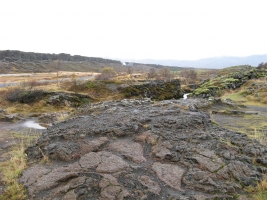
254, 92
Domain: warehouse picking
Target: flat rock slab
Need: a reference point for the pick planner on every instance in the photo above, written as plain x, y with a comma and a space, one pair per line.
211, 164
38, 178
87, 147
169, 174
132, 150
104, 162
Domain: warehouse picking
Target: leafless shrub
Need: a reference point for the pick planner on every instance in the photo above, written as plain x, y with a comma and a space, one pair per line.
108, 73
165, 73
189, 74
151, 73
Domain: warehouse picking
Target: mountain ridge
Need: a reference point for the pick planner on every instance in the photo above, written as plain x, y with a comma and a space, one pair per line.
212, 62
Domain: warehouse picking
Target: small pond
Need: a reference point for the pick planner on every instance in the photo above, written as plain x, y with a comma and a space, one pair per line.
32, 124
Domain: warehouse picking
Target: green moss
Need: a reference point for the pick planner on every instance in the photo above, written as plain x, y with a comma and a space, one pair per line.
212, 87
230, 80
199, 91
131, 91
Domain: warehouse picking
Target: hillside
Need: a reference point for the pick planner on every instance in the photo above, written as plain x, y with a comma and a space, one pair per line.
230, 78
210, 63
18, 61
30, 62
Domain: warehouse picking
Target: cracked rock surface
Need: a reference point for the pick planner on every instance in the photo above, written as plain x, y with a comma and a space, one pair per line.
137, 149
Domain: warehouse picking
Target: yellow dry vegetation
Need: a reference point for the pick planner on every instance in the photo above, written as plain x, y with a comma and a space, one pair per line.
14, 165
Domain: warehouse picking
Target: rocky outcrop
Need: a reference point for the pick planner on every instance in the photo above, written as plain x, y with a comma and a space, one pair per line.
138, 149
160, 90
5, 117
67, 99
215, 86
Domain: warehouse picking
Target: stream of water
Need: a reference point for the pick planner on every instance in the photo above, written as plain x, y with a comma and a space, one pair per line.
185, 95
20, 126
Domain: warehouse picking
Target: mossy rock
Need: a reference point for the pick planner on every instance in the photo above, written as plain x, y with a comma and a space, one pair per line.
158, 90
201, 91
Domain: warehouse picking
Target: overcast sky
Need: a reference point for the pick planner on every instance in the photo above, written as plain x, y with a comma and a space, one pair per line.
135, 29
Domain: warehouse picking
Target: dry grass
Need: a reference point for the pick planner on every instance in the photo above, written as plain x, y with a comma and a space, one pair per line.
36, 107
11, 170
22, 77
260, 191
13, 167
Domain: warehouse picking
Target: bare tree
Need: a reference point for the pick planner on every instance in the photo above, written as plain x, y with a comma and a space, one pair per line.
165, 73
151, 73
57, 65
189, 74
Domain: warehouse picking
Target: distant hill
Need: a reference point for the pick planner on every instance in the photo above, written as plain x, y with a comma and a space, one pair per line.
210, 63
15, 55
13, 61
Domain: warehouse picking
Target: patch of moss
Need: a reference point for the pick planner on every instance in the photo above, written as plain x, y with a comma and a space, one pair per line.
230, 80
159, 90
199, 91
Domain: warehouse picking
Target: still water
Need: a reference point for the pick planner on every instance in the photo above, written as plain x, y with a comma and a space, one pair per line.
32, 124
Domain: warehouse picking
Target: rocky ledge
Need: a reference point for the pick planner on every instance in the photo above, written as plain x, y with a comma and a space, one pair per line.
137, 149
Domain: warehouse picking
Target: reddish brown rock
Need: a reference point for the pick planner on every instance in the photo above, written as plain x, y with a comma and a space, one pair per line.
90, 160
111, 189
131, 150
211, 164
89, 146
169, 174
161, 149
104, 162
111, 163
151, 185
147, 137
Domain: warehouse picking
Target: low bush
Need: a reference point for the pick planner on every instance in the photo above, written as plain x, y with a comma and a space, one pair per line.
22, 95
108, 73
